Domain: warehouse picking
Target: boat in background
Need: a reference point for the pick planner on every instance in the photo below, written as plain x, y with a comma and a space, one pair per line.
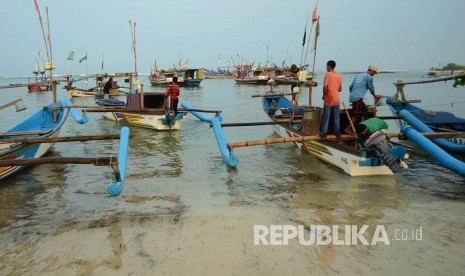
245, 74
163, 77
189, 77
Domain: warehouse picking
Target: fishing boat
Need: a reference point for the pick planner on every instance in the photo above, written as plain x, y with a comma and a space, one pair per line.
140, 108
428, 121
163, 77
245, 74
44, 123
190, 77
300, 121
37, 87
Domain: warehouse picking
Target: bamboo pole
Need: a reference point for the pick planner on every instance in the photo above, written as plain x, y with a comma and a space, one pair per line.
344, 137
9, 104
58, 139
300, 139
97, 161
431, 80
199, 110
430, 135
254, 124
270, 95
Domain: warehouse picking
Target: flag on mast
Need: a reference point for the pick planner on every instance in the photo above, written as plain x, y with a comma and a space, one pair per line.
317, 31
71, 55
83, 58
314, 16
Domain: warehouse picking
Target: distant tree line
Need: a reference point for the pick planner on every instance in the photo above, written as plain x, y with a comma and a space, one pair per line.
449, 67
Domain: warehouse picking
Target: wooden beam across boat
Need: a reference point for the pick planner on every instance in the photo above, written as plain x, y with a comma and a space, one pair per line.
451, 77
10, 104
97, 161
270, 95
198, 110
58, 139
254, 124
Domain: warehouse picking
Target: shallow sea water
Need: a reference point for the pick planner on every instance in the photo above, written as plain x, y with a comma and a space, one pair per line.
183, 212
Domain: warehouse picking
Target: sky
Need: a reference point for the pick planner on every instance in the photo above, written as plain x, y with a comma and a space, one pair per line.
392, 34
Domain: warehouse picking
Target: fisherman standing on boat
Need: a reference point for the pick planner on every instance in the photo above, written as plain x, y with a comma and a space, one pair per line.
331, 88
172, 92
107, 87
358, 88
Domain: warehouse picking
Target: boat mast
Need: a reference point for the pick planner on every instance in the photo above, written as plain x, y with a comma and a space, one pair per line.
133, 49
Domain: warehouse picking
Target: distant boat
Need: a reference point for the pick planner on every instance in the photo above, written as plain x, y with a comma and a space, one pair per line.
247, 75
162, 77
38, 87
190, 77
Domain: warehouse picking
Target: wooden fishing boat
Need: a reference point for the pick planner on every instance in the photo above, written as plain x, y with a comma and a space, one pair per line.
44, 123
37, 87
142, 109
74, 92
163, 77
247, 75
190, 77
299, 121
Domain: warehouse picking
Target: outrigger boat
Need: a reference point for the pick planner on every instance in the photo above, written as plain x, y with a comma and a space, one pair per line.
428, 121
143, 109
75, 92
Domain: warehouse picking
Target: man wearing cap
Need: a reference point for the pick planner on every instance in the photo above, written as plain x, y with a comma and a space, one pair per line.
358, 88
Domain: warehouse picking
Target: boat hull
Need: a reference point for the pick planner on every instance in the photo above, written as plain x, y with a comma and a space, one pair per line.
428, 121
39, 124
347, 158
156, 122
339, 156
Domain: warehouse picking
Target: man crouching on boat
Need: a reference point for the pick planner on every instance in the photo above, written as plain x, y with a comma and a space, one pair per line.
372, 136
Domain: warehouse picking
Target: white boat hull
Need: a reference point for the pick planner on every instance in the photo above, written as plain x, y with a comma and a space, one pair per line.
141, 120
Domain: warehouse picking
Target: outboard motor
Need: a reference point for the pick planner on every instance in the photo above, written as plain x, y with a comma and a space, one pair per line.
378, 144
169, 117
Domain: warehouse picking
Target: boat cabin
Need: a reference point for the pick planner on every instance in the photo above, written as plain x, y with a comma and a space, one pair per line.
147, 100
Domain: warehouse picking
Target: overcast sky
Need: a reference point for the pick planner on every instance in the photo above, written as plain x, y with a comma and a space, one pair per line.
393, 34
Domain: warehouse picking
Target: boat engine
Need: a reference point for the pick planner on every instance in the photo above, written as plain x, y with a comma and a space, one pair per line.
378, 145
169, 117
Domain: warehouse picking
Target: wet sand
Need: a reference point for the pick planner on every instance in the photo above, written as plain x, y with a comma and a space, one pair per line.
180, 240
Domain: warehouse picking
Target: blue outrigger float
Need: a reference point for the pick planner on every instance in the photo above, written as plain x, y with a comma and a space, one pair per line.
428, 121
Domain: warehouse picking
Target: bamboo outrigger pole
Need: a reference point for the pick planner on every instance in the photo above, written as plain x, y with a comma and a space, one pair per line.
58, 139
344, 137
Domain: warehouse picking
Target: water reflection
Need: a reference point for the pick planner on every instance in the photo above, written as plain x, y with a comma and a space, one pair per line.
155, 154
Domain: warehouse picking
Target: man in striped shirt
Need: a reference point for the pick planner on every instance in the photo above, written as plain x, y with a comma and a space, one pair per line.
173, 93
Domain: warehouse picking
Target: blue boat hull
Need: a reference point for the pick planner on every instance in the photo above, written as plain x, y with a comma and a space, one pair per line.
40, 124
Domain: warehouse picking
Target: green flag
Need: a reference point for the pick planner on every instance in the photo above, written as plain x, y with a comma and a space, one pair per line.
83, 58
71, 55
